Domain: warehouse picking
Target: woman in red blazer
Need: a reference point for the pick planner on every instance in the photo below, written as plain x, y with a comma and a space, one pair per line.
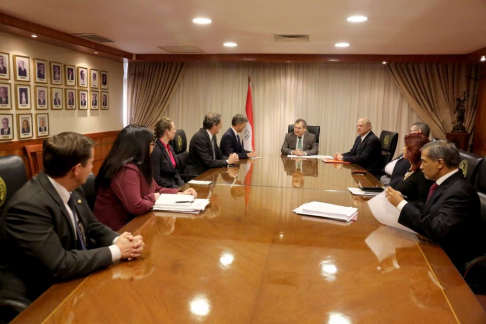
125, 184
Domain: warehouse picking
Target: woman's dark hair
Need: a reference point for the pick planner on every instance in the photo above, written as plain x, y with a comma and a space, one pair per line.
132, 145
413, 143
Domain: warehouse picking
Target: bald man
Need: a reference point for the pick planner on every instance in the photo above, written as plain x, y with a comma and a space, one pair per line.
366, 150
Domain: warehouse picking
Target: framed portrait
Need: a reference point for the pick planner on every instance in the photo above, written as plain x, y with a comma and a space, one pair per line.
56, 73
41, 97
23, 96
70, 73
4, 66
40, 71
22, 68
57, 99
94, 79
104, 80
7, 127
5, 96
95, 100
83, 99
42, 122
70, 99
105, 103
82, 77
24, 126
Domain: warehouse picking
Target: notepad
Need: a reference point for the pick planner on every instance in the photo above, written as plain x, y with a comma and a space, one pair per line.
320, 209
200, 182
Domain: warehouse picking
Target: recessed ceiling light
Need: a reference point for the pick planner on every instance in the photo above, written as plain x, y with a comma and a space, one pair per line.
333, 60
33, 36
357, 19
96, 52
384, 62
201, 21
341, 44
483, 58
230, 44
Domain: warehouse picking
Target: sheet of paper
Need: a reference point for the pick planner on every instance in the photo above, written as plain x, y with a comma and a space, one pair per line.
302, 156
200, 182
324, 157
385, 212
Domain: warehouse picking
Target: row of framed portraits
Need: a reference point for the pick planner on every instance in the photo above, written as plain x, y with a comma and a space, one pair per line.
55, 98
25, 126
60, 74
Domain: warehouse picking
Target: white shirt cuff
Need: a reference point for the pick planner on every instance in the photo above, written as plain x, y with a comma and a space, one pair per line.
115, 251
401, 205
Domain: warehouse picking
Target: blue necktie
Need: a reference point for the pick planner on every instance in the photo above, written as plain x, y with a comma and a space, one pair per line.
238, 140
78, 226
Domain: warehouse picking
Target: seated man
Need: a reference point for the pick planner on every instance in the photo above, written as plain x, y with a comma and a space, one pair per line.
300, 142
204, 152
399, 166
366, 150
48, 233
452, 210
231, 141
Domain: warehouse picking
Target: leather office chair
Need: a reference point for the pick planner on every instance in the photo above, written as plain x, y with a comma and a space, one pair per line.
34, 155
179, 144
90, 191
12, 178
470, 165
389, 142
316, 130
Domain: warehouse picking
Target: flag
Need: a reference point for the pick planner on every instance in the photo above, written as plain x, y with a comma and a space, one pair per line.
248, 140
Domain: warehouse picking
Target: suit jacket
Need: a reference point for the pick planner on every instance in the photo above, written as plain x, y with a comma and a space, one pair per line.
229, 144
415, 187
201, 154
450, 217
83, 102
94, 102
57, 101
4, 101
128, 195
41, 101
3, 132
38, 241
401, 167
42, 129
22, 72
3, 70
41, 75
71, 102
164, 172
309, 146
366, 153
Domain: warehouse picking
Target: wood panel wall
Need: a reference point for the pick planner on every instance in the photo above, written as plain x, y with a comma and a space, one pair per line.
479, 141
104, 142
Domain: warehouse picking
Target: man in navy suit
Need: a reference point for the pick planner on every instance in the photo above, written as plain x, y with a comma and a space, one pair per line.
231, 142
366, 150
451, 213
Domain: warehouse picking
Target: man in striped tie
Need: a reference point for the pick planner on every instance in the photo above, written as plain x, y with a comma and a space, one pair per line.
451, 214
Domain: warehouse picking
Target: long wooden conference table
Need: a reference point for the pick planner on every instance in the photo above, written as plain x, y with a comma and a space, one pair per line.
249, 259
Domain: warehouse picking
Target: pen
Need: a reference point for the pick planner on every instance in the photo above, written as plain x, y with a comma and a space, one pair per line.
180, 202
403, 196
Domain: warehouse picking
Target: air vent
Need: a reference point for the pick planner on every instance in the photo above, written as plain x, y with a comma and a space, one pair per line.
94, 38
181, 49
291, 38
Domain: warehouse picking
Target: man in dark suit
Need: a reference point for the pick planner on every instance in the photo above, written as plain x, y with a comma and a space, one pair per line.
3, 96
70, 98
83, 99
3, 68
204, 152
40, 71
300, 142
57, 101
94, 102
42, 125
366, 150
5, 128
70, 74
47, 231
42, 98
22, 69
399, 166
451, 213
231, 141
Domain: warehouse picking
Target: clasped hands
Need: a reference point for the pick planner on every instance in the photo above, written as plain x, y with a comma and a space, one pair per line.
130, 246
338, 156
233, 158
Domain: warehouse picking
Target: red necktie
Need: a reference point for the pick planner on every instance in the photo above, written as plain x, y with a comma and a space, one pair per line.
431, 191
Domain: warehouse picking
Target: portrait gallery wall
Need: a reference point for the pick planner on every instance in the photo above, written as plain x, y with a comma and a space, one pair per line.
27, 84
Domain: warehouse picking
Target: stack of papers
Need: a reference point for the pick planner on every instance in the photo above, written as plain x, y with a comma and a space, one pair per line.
200, 182
331, 211
310, 156
359, 192
180, 204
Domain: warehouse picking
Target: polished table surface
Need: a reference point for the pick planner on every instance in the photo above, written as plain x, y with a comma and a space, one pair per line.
249, 259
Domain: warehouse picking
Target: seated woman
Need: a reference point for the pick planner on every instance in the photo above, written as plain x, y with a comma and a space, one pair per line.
125, 186
414, 185
164, 162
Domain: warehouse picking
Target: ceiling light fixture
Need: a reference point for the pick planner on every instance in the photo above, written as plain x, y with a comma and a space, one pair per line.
333, 60
33, 36
230, 44
201, 21
357, 19
341, 44
96, 52
483, 58
384, 62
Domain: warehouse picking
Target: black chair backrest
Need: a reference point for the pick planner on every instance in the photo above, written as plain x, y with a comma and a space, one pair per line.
12, 177
90, 190
482, 192
179, 143
470, 165
316, 130
182, 159
389, 142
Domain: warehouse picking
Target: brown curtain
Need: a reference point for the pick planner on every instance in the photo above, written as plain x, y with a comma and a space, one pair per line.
150, 89
431, 91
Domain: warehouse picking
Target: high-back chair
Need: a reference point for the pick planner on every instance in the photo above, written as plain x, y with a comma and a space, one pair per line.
34, 156
389, 142
316, 130
470, 165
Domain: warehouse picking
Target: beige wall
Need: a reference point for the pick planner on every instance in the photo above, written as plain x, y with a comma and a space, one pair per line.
81, 121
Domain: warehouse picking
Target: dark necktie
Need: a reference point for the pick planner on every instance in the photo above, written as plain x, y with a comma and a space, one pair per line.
214, 150
78, 226
238, 140
431, 191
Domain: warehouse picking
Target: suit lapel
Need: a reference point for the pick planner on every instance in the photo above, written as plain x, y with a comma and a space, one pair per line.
438, 191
